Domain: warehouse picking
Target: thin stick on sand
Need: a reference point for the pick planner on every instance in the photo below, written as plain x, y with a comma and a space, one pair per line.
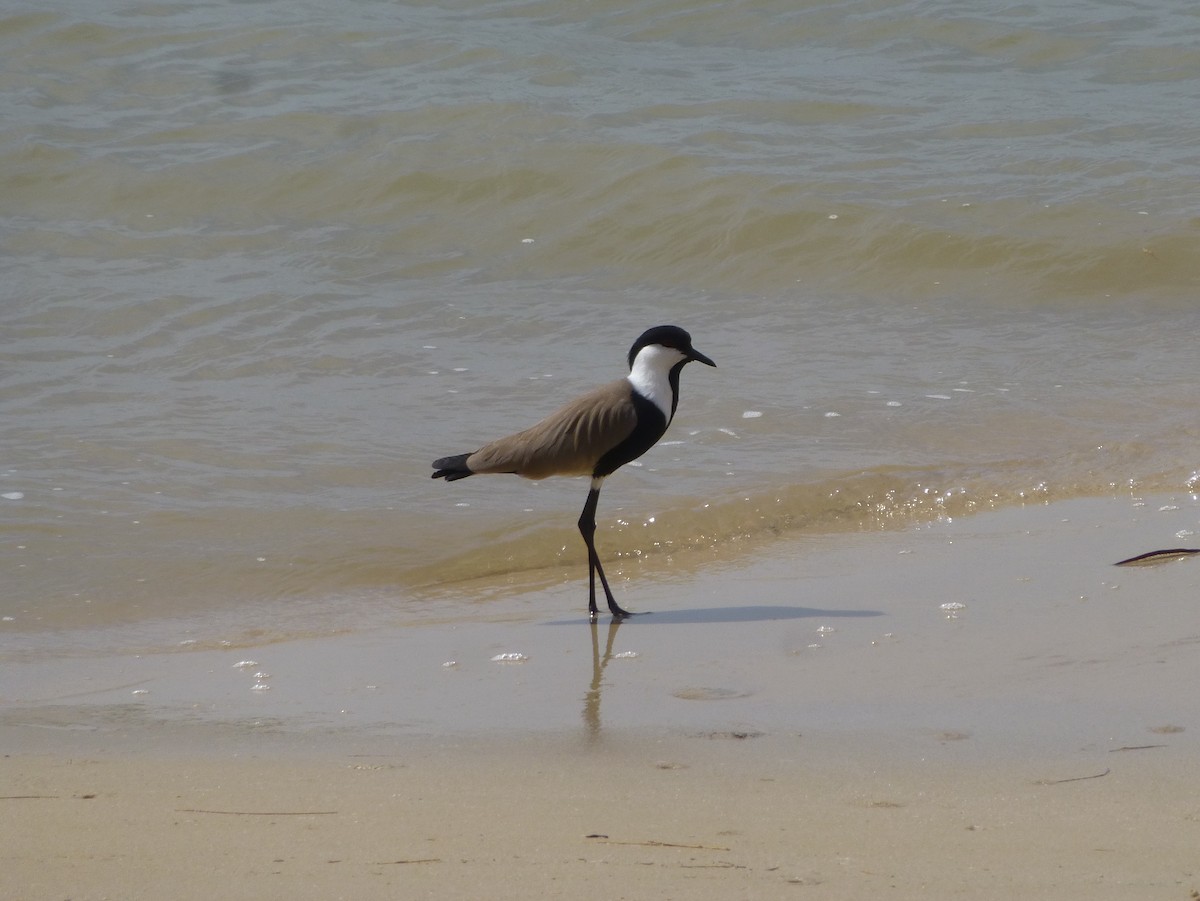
1072, 779
260, 813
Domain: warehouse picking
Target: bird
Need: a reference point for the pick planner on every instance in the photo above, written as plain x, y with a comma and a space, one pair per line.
594, 435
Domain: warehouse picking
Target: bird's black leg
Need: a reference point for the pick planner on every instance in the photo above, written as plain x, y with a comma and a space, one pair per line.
587, 528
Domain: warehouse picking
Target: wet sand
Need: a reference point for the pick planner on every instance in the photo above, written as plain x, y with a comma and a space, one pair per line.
983, 708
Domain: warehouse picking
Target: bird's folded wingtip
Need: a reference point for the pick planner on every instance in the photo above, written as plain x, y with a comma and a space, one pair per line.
451, 468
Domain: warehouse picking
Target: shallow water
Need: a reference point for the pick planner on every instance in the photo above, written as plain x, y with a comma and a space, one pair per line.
1009, 634
263, 262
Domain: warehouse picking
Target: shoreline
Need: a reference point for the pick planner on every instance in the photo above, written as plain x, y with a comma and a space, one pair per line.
983, 707
995, 620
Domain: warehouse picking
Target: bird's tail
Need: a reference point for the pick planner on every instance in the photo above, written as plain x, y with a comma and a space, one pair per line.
452, 468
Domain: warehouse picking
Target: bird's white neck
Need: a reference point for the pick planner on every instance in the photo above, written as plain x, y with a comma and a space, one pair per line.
651, 376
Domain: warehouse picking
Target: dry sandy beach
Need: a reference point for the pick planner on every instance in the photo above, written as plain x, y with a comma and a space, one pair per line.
983, 708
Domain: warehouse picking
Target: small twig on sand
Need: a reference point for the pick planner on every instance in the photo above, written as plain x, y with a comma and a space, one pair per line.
1072, 779
657, 844
260, 813
1134, 748
1150, 557
388, 863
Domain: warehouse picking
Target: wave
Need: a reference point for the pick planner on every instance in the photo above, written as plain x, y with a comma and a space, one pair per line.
687, 535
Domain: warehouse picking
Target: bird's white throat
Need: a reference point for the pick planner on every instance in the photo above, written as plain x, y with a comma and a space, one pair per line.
651, 375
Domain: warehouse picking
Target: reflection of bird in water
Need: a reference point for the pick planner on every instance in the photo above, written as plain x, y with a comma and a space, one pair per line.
591, 700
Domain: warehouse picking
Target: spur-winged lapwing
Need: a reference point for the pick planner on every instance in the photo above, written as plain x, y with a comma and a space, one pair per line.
594, 435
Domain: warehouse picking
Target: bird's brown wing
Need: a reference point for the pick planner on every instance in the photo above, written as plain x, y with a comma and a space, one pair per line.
568, 442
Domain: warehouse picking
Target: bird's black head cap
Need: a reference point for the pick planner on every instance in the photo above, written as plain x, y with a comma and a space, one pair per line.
668, 336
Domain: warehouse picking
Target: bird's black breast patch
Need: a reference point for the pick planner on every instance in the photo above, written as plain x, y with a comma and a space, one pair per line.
651, 424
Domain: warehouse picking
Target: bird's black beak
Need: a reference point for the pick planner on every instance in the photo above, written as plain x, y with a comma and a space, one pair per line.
694, 354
